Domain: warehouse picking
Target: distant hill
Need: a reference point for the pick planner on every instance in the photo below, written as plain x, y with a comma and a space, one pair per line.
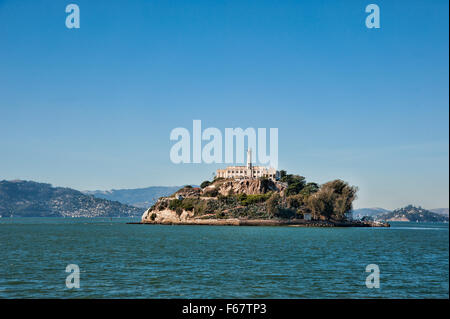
138, 197
32, 199
440, 211
371, 212
412, 213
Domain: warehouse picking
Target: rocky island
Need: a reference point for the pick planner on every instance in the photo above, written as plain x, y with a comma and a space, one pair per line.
287, 201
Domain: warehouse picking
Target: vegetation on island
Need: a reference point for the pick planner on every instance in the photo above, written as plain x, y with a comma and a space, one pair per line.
290, 197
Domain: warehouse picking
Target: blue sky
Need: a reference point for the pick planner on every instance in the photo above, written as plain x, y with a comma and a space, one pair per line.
92, 108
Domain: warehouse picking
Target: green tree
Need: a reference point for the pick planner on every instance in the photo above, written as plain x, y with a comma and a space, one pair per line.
242, 197
309, 189
294, 201
295, 183
272, 204
332, 200
321, 203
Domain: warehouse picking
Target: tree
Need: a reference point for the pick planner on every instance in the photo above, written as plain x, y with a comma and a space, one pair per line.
346, 194
294, 201
309, 189
272, 204
295, 183
332, 200
321, 203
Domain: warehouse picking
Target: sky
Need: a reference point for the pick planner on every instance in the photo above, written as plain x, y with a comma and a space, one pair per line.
93, 108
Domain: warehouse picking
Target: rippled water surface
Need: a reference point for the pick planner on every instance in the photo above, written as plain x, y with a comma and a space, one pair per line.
118, 260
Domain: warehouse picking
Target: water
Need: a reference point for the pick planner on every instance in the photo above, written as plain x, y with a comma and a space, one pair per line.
155, 261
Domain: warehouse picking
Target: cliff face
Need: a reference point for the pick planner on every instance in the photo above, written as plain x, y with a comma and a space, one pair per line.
249, 187
166, 216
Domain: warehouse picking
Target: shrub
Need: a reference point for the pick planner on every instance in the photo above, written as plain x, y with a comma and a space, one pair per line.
272, 204
242, 197
294, 201
227, 200
199, 208
205, 183
246, 200
174, 204
211, 193
220, 214
187, 204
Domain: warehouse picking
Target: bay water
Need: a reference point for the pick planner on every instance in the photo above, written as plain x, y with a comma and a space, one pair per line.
120, 260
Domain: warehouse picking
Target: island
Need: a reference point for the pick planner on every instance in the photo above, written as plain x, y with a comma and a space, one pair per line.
277, 199
412, 213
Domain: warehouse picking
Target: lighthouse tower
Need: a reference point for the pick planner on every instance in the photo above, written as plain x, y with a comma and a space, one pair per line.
249, 158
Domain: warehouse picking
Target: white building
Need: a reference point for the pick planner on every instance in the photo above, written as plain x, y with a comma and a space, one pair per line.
248, 171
